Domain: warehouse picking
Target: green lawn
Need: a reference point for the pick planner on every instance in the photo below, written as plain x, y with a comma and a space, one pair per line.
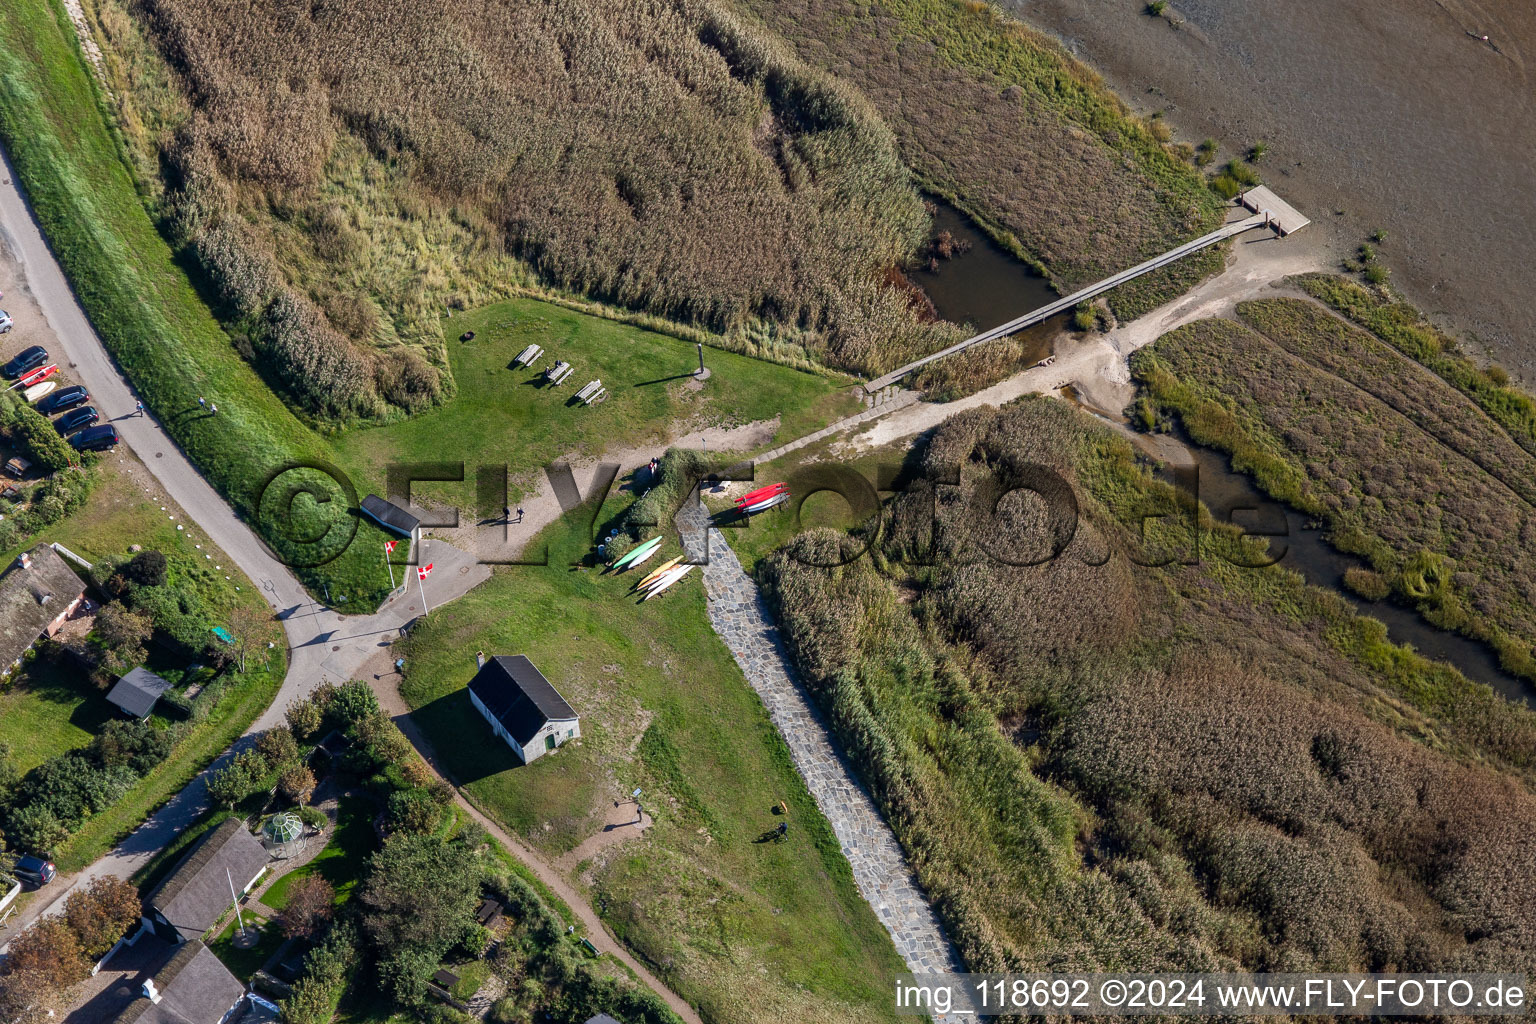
504, 416
243, 963
48, 711
341, 862
664, 707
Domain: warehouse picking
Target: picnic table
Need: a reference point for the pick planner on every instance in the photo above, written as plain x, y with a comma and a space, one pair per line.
528, 355
18, 467
593, 392
557, 373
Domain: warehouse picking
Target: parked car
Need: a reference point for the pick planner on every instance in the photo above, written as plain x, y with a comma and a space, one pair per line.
66, 399
35, 870
27, 359
5, 322
77, 419
95, 439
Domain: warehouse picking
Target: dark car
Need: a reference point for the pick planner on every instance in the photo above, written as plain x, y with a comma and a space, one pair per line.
28, 359
95, 439
76, 420
35, 870
61, 400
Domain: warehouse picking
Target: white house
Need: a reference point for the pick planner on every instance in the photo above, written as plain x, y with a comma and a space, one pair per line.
522, 707
37, 595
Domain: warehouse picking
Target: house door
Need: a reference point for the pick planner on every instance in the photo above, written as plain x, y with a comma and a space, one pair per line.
549, 742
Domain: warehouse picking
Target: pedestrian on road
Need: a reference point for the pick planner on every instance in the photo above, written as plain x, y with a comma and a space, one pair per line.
519, 513
138, 408
506, 512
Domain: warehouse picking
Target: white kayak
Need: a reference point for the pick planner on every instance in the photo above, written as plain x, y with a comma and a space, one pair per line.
767, 503
37, 391
644, 557
660, 571
635, 552
666, 581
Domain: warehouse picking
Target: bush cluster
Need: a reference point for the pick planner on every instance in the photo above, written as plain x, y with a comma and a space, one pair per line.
47, 503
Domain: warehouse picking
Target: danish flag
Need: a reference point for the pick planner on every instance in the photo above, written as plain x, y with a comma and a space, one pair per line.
389, 546
423, 571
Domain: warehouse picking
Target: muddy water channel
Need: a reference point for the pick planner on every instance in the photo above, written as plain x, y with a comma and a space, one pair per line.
1232, 497
983, 284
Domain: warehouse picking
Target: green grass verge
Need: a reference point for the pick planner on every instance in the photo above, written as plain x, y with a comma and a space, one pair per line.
136, 292
504, 416
341, 862
48, 711
665, 707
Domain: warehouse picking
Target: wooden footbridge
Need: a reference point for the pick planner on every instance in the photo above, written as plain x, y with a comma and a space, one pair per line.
1269, 212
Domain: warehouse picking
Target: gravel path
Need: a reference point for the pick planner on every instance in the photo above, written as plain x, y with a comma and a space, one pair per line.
739, 616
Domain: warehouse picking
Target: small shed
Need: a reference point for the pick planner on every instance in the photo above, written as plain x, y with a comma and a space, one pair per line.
391, 516
522, 707
135, 694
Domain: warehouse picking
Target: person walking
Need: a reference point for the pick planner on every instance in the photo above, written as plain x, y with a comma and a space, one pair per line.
138, 408
213, 410
519, 513
202, 403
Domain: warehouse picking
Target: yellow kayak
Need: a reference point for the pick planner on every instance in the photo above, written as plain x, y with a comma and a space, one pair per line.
660, 571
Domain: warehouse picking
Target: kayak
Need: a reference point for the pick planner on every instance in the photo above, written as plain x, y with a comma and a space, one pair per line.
37, 391
645, 557
660, 571
636, 551
666, 581
767, 503
761, 494
39, 375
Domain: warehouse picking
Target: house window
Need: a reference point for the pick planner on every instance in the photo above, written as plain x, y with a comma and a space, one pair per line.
549, 743
570, 734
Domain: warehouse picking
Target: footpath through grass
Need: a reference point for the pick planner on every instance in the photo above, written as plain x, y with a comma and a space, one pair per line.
505, 416
745, 930
138, 297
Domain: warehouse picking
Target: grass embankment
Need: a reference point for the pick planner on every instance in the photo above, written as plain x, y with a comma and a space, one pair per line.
744, 930
1095, 764
137, 294
1406, 472
1003, 122
49, 710
505, 416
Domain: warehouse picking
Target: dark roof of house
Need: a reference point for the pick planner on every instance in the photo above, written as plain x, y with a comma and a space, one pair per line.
390, 515
137, 692
518, 695
195, 988
30, 599
196, 893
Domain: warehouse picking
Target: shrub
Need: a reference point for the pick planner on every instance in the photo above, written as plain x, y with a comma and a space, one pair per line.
43, 445
327, 970
245, 774
311, 902
1225, 186
353, 702
1371, 585
1085, 316
147, 569
313, 816
412, 810
1377, 274
277, 746
1206, 152
303, 718
296, 784
1157, 8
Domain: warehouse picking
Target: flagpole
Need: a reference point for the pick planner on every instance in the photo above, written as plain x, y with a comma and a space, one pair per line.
422, 586
391, 568
236, 900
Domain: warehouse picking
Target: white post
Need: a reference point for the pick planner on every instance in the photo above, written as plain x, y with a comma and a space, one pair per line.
235, 900
391, 568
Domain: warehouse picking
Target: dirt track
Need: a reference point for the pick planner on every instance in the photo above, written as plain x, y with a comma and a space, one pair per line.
1396, 113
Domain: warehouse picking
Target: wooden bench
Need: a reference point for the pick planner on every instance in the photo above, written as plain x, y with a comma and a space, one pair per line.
528, 355
557, 373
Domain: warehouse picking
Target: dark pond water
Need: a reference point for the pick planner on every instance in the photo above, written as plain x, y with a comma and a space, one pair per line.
1232, 497
984, 285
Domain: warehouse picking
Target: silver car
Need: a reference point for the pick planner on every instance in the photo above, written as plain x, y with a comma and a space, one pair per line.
5, 322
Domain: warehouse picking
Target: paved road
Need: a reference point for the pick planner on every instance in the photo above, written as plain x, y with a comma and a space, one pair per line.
323, 644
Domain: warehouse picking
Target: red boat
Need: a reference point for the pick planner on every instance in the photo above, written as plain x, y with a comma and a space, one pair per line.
761, 494
38, 375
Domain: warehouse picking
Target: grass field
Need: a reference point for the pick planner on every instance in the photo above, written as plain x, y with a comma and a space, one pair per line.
341, 862
505, 416
135, 290
745, 930
243, 963
47, 711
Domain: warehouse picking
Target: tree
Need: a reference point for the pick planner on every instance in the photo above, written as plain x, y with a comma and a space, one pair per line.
412, 810
248, 625
277, 746
120, 637
147, 568
418, 902
51, 951
36, 828
383, 741
353, 702
238, 779
25, 997
303, 718
296, 784
311, 902
101, 913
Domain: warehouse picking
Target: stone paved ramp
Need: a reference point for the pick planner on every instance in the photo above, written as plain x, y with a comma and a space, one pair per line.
740, 617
